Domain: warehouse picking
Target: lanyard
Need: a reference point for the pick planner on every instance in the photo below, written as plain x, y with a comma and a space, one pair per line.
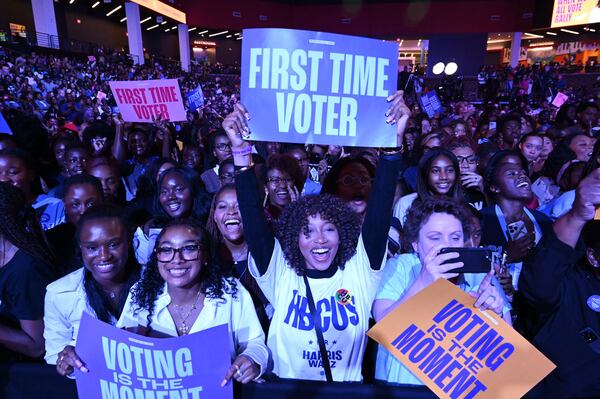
319, 330
504, 227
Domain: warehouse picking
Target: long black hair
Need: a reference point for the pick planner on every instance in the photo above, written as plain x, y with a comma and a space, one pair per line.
215, 280
20, 226
424, 166
97, 297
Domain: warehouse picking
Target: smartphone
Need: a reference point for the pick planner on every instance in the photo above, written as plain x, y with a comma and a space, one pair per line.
517, 230
591, 338
492, 125
475, 260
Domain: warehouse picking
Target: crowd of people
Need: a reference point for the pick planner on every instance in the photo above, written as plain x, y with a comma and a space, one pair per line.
166, 229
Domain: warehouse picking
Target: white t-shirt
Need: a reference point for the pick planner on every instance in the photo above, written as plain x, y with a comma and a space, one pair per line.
344, 302
403, 205
245, 333
143, 244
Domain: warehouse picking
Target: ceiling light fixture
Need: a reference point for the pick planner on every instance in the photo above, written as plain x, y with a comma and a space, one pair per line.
218, 33
152, 27
203, 32
114, 10
192, 29
569, 31
95, 4
145, 20
532, 35
552, 33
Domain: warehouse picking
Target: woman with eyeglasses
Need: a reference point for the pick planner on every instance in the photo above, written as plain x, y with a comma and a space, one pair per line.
184, 290
220, 150
438, 174
471, 181
322, 269
351, 179
283, 184
99, 288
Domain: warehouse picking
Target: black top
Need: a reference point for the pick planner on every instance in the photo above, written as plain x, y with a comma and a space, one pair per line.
375, 227
62, 239
23, 282
558, 288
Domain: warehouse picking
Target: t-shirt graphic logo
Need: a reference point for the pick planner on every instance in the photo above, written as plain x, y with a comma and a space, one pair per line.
594, 303
333, 314
343, 297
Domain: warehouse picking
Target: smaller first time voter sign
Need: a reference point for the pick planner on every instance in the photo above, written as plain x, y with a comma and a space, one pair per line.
319, 88
145, 100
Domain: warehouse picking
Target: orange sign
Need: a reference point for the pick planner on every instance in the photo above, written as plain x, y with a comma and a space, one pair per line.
457, 350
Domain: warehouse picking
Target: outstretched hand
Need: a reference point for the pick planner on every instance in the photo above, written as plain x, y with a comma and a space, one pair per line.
236, 126
398, 114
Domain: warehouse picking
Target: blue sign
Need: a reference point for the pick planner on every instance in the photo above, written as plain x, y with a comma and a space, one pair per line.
321, 88
196, 99
4, 128
431, 104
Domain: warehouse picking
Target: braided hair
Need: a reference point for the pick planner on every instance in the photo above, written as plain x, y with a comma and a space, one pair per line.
20, 225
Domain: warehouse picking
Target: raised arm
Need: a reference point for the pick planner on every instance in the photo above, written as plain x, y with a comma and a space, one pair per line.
379, 209
257, 232
119, 147
544, 270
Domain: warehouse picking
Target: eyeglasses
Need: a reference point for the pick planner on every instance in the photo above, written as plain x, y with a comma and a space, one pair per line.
187, 253
223, 146
471, 159
275, 181
350, 180
226, 176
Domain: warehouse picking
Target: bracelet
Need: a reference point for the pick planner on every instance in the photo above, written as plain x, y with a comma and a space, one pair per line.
242, 169
243, 151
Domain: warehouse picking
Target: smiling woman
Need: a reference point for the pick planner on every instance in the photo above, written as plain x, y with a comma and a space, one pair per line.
99, 288
180, 195
184, 290
321, 258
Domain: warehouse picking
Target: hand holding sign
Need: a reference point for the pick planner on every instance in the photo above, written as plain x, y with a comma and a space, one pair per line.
398, 113
69, 361
236, 126
243, 369
487, 296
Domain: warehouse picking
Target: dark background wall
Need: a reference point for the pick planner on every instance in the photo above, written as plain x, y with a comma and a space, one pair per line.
467, 50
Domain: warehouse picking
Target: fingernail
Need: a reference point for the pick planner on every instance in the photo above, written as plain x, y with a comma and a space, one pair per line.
84, 369
223, 383
247, 115
388, 120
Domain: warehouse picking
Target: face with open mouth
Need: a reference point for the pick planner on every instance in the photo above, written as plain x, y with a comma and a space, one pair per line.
183, 270
104, 249
278, 182
582, 146
512, 182
441, 175
319, 241
175, 195
227, 216
354, 186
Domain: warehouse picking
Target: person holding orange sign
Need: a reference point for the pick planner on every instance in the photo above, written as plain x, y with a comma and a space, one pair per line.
431, 225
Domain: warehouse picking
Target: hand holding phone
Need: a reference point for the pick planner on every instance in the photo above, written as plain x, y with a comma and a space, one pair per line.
438, 265
474, 260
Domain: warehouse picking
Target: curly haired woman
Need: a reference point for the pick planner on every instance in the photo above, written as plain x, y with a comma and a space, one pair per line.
321, 252
184, 290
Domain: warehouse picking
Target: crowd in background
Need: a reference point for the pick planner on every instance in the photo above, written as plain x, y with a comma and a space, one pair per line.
150, 226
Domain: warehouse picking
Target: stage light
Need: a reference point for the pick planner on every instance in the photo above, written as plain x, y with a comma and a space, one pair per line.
438, 68
451, 68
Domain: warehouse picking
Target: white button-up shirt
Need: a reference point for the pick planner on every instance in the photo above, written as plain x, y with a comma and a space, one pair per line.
245, 333
65, 303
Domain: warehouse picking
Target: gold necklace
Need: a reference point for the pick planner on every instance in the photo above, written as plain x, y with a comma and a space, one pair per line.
183, 329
